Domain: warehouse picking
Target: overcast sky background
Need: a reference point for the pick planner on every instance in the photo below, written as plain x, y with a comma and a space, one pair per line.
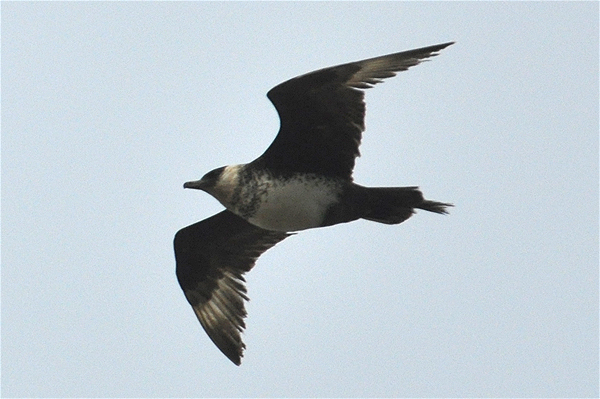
107, 108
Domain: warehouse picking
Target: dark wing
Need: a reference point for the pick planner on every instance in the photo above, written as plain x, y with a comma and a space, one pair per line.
212, 256
322, 113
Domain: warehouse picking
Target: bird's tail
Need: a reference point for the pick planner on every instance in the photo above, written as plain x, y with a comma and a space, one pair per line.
393, 205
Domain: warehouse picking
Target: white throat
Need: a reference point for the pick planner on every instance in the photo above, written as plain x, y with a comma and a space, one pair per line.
229, 181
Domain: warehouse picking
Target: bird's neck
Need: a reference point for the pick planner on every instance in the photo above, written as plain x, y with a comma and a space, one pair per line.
226, 190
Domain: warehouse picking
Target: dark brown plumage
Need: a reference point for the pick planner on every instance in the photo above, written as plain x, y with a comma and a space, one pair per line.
303, 180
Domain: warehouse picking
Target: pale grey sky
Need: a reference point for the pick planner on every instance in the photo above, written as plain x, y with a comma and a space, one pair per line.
107, 108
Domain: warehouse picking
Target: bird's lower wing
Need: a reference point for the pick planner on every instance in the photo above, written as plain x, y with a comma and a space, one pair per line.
212, 257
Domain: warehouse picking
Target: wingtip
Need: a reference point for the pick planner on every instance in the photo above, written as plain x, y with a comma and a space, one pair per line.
438, 47
235, 358
235, 355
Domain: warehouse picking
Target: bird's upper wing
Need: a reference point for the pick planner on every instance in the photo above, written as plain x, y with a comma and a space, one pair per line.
322, 113
212, 256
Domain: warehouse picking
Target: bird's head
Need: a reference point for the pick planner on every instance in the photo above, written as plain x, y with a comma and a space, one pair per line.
220, 183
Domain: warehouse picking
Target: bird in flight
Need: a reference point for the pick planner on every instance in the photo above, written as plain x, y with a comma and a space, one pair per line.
302, 181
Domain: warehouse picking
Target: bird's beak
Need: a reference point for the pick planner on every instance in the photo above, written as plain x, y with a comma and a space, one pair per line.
198, 184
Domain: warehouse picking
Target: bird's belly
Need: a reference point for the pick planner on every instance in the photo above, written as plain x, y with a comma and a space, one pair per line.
294, 205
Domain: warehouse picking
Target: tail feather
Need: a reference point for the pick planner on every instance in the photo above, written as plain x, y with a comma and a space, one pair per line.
393, 205
434, 206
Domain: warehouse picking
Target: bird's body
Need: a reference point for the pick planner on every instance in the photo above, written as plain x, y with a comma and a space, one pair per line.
302, 181
271, 201
278, 206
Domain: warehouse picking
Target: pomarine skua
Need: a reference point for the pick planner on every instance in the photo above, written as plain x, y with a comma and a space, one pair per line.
302, 181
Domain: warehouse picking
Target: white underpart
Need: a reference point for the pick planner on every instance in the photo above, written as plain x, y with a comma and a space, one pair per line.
295, 204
